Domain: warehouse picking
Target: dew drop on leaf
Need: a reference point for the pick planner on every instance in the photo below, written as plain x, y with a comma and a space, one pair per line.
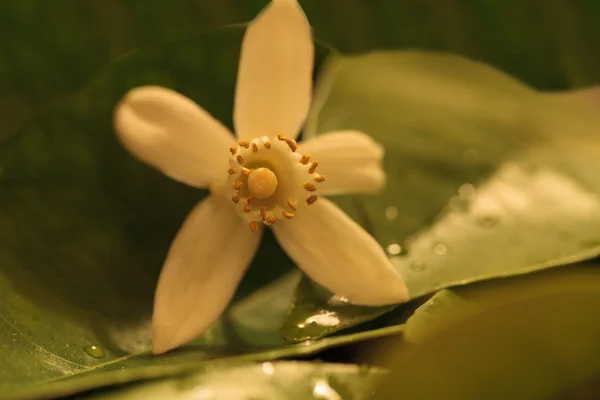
466, 191
416, 265
440, 249
94, 351
487, 220
394, 249
391, 213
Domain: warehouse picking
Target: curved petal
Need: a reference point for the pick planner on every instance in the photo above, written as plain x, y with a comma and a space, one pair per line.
274, 82
338, 254
173, 134
201, 273
350, 160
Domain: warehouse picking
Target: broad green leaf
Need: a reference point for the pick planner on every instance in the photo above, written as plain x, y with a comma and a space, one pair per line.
534, 338
266, 381
483, 181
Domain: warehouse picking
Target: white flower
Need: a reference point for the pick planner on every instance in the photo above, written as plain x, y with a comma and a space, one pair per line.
265, 178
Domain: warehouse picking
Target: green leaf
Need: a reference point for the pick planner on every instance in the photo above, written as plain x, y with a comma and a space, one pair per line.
534, 338
482, 182
277, 380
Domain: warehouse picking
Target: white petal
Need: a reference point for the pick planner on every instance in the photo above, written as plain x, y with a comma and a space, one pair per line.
338, 254
350, 160
173, 134
201, 273
274, 83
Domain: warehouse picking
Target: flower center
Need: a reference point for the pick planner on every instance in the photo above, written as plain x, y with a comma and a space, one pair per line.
269, 179
262, 183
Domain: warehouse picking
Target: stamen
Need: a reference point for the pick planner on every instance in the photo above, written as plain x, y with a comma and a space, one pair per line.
313, 167
237, 185
233, 150
235, 199
253, 226
288, 215
232, 171
312, 199
263, 213
267, 145
240, 159
305, 159
244, 144
246, 171
281, 137
292, 144
247, 208
271, 220
254, 147
250, 199
320, 178
291, 204
310, 187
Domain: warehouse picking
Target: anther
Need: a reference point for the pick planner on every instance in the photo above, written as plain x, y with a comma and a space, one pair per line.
244, 144
288, 215
250, 199
235, 199
320, 178
232, 171
246, 171
233, 150
237, 185
313, 167
271, 220
240, 159
292, 144
267, 145
253, 226
304, 160
291, 204
247, 208
309, 186
312, 200
263, 213
281, 137
254, 147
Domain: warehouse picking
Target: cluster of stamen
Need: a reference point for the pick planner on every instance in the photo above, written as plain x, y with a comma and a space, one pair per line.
255, 188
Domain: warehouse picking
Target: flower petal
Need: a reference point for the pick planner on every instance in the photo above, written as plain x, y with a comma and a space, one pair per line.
201, 273
173, 134
350, 160
274, 83
338, 254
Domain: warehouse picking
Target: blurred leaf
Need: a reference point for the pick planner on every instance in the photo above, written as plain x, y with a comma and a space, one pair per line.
442, 308
482, 180
532, 338
266, 381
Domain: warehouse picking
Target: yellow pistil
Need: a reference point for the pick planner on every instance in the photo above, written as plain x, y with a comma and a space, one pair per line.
262, 183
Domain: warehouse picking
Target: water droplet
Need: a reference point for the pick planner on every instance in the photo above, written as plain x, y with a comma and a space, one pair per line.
322, 390
268, 368
391, 213
487, 220
394, 249
458, 204
325, 318
94, 351
416, 265
466, 191
440, 249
